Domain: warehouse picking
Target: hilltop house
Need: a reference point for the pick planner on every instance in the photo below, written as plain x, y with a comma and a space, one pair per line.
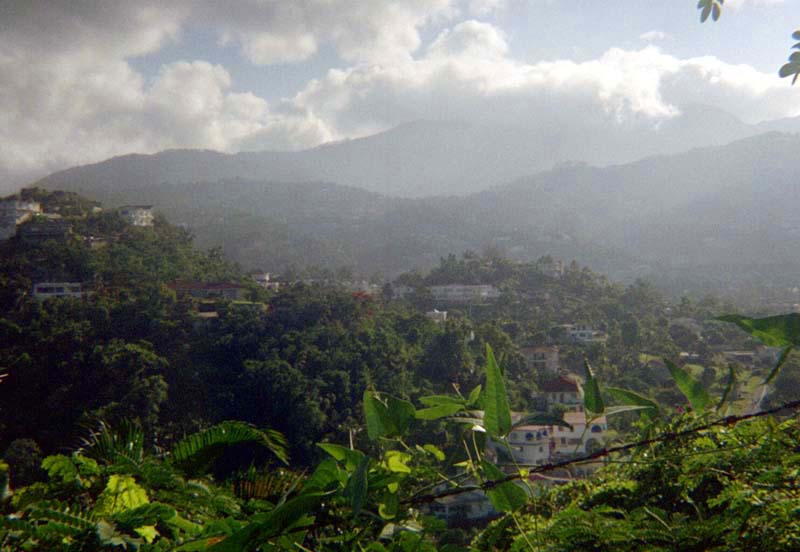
463, 293
14, 212
539, 444
137, 215
208, 290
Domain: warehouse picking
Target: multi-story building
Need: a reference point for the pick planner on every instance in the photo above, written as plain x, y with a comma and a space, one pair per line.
464, 293
562, 390
137, 215
543, 359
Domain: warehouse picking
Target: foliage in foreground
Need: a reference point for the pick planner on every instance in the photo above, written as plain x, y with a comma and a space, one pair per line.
702, 483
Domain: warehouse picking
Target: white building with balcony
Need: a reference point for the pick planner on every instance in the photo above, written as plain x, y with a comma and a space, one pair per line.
464, 293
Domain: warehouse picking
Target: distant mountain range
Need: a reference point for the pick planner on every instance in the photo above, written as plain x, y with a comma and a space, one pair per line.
720, 218
427, 158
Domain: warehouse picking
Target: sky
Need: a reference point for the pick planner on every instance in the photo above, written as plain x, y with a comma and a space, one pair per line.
82, 81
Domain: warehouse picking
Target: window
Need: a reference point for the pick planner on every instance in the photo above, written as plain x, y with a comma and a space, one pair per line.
596, 429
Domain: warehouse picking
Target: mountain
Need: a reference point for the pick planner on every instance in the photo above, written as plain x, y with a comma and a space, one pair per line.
423, 158
715, 218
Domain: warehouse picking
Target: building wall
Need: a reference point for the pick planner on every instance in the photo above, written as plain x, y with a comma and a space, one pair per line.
46, 290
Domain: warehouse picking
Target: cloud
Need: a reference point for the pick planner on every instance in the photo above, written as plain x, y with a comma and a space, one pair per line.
738, 4
652, 36
468, 74
70, 94
277, 31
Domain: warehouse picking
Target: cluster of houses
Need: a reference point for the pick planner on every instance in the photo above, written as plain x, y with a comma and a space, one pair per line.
28, 221
537, 446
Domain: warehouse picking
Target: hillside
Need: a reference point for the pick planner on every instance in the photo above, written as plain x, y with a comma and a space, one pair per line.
425, 158
716, 219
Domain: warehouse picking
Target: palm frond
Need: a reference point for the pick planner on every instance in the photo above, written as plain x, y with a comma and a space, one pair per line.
198, 451
124, 443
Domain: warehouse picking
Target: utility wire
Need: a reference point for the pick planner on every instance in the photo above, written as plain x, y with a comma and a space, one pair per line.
668, 436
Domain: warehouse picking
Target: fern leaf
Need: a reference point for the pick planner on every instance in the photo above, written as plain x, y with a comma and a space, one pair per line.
199, 450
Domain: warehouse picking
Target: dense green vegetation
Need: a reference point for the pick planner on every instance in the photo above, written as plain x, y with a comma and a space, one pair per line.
99, 392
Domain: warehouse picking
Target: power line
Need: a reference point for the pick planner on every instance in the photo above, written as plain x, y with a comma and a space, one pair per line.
669, 436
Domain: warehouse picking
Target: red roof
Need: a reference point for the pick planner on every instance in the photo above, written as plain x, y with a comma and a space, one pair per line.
559, 385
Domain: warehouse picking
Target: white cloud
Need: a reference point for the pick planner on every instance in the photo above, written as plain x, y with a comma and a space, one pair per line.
277, 31
654, 35
70, 95
468, 74
738, 4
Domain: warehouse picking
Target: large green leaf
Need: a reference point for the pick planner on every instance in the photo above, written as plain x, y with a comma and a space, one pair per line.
729, 386
782, 330
439, 411
497, 414
386, 416
357, 486
437, 400
774, 331
121, 493
350, 458
474, 396
327, 475
289, 516
592, 400
630, 398
507, 496
691, 388
778, 365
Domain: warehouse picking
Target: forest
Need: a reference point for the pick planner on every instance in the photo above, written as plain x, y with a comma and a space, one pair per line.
135, 416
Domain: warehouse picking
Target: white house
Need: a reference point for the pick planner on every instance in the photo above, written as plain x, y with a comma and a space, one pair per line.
536, 445
580, 439
440, 317
263, 280
464, 293
47, 290
137, 215
562, 390
583, 333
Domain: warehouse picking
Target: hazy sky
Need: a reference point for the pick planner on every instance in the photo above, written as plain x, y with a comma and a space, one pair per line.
81, 81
